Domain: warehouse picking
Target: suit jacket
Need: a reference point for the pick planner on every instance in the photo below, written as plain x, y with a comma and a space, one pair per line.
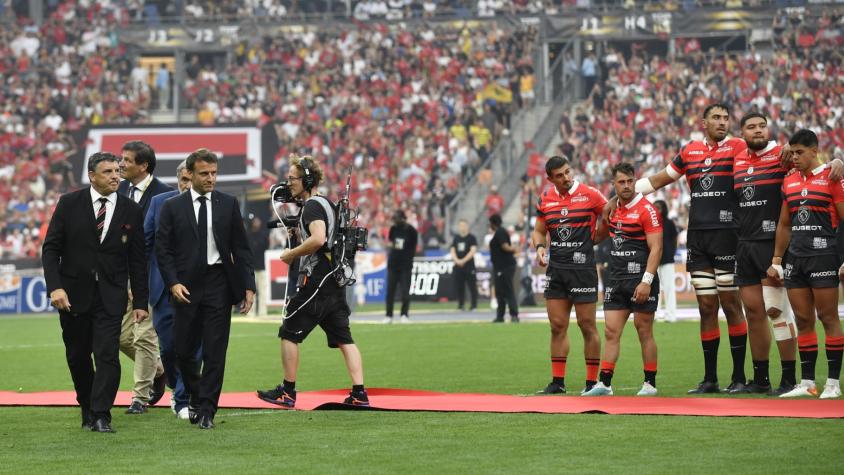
151, 220
178, 253
75, 260
156, 187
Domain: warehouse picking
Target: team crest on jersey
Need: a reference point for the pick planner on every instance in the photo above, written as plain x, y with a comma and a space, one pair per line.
803, 215
617, 242
750, 171
564, 212
748, 191
564, 232
804, 192
706, 181
707, 162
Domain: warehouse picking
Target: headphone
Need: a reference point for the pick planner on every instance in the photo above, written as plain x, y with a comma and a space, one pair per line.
308, 178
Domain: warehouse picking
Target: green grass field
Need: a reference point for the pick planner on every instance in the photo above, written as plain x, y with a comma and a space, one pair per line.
506, 359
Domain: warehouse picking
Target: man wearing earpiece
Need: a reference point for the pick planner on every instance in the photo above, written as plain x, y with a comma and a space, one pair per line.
318, 300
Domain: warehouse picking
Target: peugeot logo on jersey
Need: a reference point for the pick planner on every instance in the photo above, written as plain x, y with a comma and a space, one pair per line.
803, 215
748, 191
564, 232
706, 182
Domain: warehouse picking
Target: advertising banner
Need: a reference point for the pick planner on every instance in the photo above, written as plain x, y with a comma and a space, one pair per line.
23, 294
432, 279
238, 148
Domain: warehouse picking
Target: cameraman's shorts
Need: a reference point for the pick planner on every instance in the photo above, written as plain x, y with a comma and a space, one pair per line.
328, 309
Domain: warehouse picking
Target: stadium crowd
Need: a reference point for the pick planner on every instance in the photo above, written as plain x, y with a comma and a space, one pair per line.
414, 111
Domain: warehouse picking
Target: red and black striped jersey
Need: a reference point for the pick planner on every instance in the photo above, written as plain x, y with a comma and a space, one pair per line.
811, 204
570, 220
709, 171
629, 226
757, 181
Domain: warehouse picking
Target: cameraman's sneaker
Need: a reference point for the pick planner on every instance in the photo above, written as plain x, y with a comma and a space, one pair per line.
357, 398
279, 396
387, 320
831, 390
804, 389
647, 390
598, 390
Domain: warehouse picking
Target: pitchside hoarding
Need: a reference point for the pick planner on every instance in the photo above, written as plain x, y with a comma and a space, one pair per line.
20, 294
432, 279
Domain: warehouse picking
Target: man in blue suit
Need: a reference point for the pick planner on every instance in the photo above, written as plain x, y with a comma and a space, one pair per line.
162, 311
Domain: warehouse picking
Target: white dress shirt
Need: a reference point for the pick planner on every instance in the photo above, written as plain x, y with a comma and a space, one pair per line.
213, 256
110, 204
136, 192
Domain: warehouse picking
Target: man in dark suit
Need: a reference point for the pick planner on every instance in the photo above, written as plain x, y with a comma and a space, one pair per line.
93, 247
138, 340
205, 261
159, 298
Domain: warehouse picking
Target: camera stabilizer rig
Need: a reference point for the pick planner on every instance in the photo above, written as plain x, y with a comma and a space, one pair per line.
346, 239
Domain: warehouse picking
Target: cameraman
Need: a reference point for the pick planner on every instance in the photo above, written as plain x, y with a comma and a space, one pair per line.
306, 309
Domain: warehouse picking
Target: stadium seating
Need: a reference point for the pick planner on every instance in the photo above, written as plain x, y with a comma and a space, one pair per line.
404, 108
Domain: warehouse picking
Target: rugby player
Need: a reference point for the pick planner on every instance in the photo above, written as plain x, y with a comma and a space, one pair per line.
812, 206
757, 181
569, 212
635, 227
711, 241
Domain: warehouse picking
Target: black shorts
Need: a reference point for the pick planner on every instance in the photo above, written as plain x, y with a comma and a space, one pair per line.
711, 249
816, 272
752, 261
577, 285
328, 309
618, 295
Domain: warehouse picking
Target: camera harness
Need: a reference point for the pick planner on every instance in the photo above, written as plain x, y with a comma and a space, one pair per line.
336, 235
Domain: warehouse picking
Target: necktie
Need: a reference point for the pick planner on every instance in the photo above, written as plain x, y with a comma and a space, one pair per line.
101, 218
132, 190
202, 224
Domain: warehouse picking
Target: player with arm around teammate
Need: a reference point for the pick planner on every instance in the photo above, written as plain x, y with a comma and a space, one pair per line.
708, 167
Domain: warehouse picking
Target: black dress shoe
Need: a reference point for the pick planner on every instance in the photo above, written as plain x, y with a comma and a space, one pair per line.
705, 387
102, 425
206, 422
87, 420
498, 320
137, 407
158, 387
737, 387
514, 319
193, 415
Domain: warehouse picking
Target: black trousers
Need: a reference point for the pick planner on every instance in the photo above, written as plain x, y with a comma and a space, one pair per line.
398, 276
98, 333
504, 292
205, 321
462, 278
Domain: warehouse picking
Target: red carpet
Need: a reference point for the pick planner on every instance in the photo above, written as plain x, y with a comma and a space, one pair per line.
410, 400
